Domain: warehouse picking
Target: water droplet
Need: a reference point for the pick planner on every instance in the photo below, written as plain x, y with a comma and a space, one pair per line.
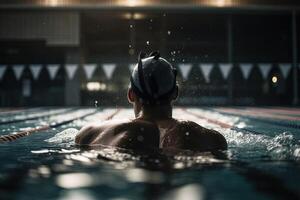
187, 133
169, 32
131, 26
96, 104
130, 46
147, 42
151, 20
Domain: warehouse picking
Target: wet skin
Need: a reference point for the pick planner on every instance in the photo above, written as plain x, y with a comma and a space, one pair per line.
141, 134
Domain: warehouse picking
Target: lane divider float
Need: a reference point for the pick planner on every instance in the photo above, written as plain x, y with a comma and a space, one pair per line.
36, 117
221, 124
287, 124
16, 110
15, 136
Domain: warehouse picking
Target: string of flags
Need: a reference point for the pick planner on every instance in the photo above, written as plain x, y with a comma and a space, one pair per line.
109, 69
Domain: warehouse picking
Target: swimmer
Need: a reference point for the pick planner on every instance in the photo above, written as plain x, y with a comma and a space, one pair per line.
152, 91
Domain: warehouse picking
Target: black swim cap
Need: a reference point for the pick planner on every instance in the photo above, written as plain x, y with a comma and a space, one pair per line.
153, 79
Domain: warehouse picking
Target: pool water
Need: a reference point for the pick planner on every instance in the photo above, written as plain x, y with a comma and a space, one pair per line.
262, 162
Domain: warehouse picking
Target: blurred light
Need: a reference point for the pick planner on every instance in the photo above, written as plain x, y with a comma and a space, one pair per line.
74, 180
220, 3
95, 86
140, 175
44, 170
52, 2
190, 192
131, 3
274, 79
81, 194
135, 16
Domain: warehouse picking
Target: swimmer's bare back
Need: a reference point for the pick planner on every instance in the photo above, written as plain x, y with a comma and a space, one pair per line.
140, 134
134, 134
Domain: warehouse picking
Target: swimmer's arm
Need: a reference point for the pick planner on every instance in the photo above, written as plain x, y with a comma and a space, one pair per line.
219, 140
87, 134
205, 139
191, 136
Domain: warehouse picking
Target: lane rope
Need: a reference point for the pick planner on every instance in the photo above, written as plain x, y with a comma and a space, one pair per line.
13, 137
266, 121
259, 113
16, 110
36, 117
222, 124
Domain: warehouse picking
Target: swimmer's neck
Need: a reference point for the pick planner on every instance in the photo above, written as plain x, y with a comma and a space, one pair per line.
154, 113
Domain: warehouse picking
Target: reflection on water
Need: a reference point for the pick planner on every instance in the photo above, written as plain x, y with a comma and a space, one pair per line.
48, 165
74, 180
190, 192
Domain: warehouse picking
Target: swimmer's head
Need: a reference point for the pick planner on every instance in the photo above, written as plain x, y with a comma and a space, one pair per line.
153, 81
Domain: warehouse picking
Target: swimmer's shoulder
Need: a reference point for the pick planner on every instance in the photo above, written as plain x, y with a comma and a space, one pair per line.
137, 135
190, 135
130, 134
91, 131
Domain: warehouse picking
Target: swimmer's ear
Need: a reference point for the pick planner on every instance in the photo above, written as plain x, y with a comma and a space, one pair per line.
176, 93
130, 95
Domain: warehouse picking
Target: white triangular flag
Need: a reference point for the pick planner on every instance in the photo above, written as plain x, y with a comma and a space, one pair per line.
71, 70
246, 69
285, 69
109, 70
185, 70
206, 70
18, 70
35, 71
89, 70
131, 67
264, 69
225, 69
2, 71
52, 70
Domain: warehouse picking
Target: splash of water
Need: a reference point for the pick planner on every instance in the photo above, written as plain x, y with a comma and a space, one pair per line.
282, 146
66, 137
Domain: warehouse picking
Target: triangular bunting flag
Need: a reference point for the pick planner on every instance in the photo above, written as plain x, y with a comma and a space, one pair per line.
35, 71
71, 70
131, 67
89, 70
246, 69
18, 71
264, 69
185, 70
109, 70
225, 69
52, 70
206, 69
2, 71
285, 69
